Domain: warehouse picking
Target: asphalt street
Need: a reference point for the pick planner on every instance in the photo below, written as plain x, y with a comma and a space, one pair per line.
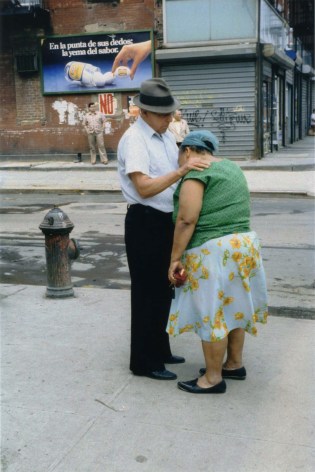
284, 224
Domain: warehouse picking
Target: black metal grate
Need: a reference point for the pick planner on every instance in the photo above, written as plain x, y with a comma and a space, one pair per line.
26, 62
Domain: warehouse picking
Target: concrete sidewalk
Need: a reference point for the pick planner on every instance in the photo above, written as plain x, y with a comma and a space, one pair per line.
70, 404
289, 171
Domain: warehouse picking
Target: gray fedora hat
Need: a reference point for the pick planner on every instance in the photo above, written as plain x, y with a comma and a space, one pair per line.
155, 96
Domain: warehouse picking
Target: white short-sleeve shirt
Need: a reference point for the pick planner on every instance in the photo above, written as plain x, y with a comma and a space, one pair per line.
141, 149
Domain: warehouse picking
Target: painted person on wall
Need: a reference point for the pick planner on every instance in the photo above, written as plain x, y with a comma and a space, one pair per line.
222, 293
148, 171
94, 124
179, 127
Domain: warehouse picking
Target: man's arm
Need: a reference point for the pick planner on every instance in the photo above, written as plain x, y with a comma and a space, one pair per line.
149, 187
85, 123
187, 130
103, 121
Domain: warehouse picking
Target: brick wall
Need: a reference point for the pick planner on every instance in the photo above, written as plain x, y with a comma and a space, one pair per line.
33, 123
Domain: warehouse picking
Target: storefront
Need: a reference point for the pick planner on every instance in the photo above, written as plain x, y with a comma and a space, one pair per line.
219, 96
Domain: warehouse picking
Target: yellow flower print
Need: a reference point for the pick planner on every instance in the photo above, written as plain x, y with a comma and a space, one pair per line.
186, 328
255, 318
219, 243
250, 261
220, 294
254, 330
246, 286
206, 319
213, 337
246, 239
194, 267
217, 324
190, 258
235, 242
228, 301
246, 272
218, 320
173, 317
265, 315
205, 273
226, 256
253, 263
171, 330
231, 276
195, 270
236, 256
194, 284
239, 315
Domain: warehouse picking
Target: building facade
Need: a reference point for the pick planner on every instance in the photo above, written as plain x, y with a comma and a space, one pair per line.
244, 69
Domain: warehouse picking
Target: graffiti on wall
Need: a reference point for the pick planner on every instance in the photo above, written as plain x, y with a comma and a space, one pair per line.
228, 119
223, 118
195, 118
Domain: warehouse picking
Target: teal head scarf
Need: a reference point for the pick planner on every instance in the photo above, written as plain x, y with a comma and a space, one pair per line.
202, 138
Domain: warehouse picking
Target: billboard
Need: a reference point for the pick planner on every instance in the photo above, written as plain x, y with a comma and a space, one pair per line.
96, 62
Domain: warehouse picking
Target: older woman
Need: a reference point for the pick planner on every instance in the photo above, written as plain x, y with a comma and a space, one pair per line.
224, 293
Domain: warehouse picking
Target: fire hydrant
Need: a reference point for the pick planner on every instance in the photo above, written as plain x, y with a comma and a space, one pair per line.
56, 227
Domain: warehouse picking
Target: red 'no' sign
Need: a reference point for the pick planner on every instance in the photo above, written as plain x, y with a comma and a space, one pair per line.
106, 101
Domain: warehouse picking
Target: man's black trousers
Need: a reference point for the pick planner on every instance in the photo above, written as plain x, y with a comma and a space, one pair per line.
148, 237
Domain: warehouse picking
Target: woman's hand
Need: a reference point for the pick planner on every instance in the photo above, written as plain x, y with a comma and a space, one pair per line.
177, 274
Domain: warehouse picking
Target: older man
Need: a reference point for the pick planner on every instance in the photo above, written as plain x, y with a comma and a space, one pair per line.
148, 170
179, 127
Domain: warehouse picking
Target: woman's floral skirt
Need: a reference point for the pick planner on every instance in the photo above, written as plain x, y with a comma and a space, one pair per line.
225, 289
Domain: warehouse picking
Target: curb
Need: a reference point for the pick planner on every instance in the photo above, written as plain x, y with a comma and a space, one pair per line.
37, 168
268, 193
289, 312
58, 191
64, 166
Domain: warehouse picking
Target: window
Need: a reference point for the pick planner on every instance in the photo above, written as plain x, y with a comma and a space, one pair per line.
31, 3
198, 21
27, 62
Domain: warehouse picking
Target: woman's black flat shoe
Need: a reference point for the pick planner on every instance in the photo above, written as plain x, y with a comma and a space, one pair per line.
235, 374
192, 387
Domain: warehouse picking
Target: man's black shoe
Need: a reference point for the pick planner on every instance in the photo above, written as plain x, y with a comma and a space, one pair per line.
161, 375
175, 360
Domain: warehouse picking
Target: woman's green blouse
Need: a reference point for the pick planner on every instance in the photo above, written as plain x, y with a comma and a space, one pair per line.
226, 202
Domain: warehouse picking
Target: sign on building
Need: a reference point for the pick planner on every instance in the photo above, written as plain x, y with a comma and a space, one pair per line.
96, 62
